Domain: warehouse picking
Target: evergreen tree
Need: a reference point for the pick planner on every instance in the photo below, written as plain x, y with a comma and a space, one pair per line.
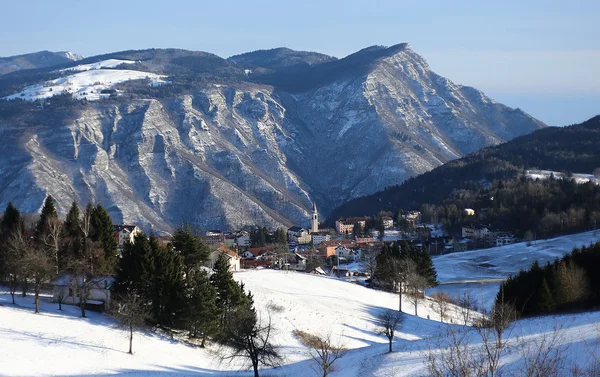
72, 221
135, 269
280, 237
226, 288
194, 251
202, 313
11, 221
104, 234
48, 211
167, 285
72, 242
543, 301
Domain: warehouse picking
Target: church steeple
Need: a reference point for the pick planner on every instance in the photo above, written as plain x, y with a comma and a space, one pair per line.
315, 219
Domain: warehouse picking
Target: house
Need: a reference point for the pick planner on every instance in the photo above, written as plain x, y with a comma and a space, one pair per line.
476, 231
230, 240
213, 238
263, 253
243, 239
340, 272
327, 248
505, 240
319, 237
388, 222
66, 287
293, 261
346, 253
412, 218
344, 226
232, 257
298, 235
363, 239
126, 233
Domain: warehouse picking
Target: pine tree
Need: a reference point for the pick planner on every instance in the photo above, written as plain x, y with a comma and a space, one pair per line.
104, 234
194, 251
543, 301
202, 313
72, 241
167, 285
12, 220
226, 288
48, 211
135, 269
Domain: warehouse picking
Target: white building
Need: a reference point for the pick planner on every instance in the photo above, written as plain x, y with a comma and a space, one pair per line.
232, 257
319, 237
66, 288
298, 235
126, 233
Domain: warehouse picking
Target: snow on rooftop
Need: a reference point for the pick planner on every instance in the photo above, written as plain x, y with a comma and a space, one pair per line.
87, 84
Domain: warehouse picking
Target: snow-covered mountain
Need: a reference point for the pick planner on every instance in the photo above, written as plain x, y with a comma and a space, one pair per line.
39, 59
230, 142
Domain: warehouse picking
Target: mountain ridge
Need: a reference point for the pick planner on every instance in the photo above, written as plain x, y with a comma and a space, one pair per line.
245, 149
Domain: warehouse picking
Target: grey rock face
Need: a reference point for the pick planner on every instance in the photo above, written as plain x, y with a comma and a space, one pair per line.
246, 153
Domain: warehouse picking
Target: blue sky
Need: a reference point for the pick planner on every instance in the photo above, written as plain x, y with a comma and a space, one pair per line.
541, 56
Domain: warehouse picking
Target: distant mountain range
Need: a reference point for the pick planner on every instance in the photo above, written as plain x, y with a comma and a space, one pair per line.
163, 136
39, 59
572, 149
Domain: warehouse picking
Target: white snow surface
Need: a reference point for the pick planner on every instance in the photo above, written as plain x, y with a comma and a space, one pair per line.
62, 343
85, 84
578, 177
109, 63
482, 271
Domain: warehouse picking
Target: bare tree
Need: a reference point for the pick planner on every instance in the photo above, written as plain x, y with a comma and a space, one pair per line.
451, 356
415, 288
467, 305
16, 246
388, 321
131, 314
250, 338
52, 239
543, 355
370, 257
38, 266
441, 303
491, 330
322, 349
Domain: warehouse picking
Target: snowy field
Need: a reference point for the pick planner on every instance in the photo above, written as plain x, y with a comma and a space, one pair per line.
481, 271
64, 344
89, 81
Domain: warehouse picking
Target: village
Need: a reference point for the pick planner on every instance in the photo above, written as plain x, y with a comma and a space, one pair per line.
343, 251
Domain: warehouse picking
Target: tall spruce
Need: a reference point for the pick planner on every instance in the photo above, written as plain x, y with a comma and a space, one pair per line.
48, 212
190, 246
104, 234
226, 288
167, 286
201, 311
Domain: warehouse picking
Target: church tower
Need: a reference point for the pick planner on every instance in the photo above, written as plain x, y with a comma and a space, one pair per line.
315, 219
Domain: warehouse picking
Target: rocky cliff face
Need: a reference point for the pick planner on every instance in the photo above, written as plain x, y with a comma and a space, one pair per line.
237, 153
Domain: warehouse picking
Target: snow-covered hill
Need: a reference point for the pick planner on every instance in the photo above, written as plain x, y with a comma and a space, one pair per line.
89, 83
61, 343
481, 271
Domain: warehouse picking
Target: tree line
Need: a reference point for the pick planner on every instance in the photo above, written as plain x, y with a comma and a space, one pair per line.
567, 284
156, 284
404, 269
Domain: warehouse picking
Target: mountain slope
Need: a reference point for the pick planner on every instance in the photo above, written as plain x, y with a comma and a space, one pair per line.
40, 59
573, 148
216, 147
